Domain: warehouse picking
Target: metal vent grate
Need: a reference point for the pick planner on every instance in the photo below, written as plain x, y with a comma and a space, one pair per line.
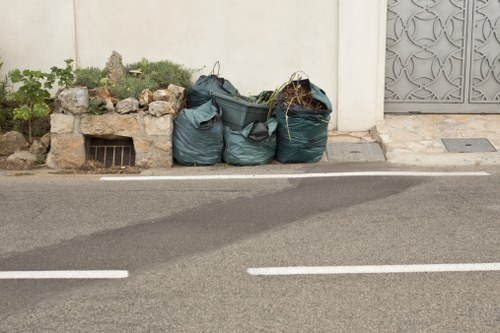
355, 152
111, 153
468, 145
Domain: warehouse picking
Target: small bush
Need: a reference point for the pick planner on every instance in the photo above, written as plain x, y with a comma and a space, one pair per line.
96, 106
163, 72
138, 76
89, 77
130, 86
7, 123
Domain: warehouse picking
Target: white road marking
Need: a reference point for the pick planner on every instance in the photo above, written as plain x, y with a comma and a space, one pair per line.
383, 269
63, 275
301, 175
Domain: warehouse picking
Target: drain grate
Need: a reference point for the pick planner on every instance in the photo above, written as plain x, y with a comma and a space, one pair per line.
111, 153
355, 152
468, 145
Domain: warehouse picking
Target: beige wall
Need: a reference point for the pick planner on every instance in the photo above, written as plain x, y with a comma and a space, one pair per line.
361, 59
259, 43
36, 34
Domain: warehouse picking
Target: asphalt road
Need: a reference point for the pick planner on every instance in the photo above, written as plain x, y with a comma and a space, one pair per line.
188, 245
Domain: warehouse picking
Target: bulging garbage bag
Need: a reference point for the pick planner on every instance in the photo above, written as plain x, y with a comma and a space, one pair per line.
255, 144
302, 122
203, 89
199, 135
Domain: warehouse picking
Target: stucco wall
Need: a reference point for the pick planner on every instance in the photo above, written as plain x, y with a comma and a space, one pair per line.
36, 34
259, 43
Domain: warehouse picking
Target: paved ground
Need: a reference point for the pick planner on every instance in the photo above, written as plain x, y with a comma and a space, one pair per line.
188, 245
416, 140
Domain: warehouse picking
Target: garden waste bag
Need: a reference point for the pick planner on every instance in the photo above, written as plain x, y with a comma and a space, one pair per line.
303, 113
199, 135
255, 144
202, 89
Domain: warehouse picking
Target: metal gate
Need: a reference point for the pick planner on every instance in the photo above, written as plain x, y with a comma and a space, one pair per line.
443, 56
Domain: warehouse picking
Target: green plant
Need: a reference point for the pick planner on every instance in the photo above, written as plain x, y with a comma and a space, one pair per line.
96, 106
89, 77
34, 91
130, 86
163, 72
7, 123
3, 86
31, 95
65, 76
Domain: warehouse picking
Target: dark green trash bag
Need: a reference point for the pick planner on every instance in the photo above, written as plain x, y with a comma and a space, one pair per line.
303, 131
253, 145
202, 89
199, 135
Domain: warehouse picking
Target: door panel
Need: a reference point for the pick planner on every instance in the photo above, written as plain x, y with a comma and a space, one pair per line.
443, 56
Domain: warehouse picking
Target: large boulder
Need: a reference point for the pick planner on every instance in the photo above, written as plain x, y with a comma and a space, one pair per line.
10, 142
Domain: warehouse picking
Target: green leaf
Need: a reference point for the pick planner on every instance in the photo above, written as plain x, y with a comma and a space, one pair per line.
22, 113
40, 110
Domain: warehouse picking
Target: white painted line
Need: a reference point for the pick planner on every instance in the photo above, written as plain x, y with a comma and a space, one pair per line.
384, 269
63, 275
301, 175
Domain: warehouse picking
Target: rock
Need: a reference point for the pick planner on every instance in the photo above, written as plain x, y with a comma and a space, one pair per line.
115, 68
161, 95
22, 159
66, 151
37, 148
161, 108
45, 140
160, 126
61, 123
176, 97
127, 105
104, 94
110, 125
73, 100
147, 96
10, 142
173, 94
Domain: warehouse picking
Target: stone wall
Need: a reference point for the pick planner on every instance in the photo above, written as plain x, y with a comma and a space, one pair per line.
151, 133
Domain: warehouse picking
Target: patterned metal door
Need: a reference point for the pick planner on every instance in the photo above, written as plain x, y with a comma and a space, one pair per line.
443, 56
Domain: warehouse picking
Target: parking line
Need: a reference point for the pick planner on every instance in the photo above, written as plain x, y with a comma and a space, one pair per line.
374, 269
88, 274
300, 176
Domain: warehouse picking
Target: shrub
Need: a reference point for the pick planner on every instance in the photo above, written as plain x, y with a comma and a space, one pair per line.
162, 72
130, 86
138, 76
96, 106
89, 77
7, 123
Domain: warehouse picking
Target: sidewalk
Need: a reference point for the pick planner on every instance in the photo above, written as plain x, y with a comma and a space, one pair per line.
417, 139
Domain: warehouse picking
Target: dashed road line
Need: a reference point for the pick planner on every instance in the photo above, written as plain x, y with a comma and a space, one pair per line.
374, 269
87, 274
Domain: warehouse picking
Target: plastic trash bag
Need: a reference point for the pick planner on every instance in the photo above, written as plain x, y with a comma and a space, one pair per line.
205, 86
199, 135
255, 144
302, 129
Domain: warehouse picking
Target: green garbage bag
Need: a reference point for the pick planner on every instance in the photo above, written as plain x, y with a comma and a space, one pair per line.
202, 89
199, 135
302, 129
255, 144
